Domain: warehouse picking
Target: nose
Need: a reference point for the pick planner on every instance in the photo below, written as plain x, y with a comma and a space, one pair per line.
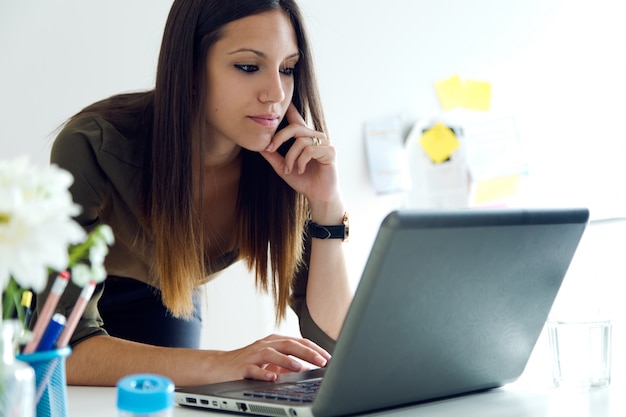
273, 90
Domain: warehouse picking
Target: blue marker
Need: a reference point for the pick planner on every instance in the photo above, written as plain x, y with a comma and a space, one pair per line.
50, 336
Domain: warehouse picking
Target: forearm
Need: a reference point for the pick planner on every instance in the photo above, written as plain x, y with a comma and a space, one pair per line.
329, 293
103, 360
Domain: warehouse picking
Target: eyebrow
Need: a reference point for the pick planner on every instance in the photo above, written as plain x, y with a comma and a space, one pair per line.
261, 54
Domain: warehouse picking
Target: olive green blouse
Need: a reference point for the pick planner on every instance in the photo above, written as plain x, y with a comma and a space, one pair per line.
107, 170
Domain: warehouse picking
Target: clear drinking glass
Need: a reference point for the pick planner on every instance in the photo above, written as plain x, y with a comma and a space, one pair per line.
581, 353
17, 379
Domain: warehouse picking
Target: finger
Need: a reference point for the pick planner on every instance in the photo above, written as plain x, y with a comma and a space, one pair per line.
307, 150
301, 160
317, 348
279, 355
257, 372
294, 116
287, 352
297, 131
268, 361
296, 128
303, 349
277, 358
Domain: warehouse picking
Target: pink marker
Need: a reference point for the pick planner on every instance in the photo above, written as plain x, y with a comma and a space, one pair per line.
77, 312
48, 309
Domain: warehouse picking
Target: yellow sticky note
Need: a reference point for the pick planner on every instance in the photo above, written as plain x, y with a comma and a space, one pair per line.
477, 95
456, 92
439, 142
495, 189
451, 92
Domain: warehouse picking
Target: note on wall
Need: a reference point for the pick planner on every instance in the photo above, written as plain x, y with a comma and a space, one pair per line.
455, 92
386, 154
439, 142
494, 149
442, 185
495, 190
496, 160
450, 92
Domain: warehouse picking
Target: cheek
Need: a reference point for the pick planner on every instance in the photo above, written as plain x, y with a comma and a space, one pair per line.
289, 89
216, 99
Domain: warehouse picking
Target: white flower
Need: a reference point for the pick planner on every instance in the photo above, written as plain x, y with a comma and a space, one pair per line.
36, 225
98, 273
97, 246
81, 274
103, 237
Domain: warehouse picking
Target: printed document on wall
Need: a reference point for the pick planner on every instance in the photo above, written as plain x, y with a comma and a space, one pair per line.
496, 160
494, 148
386, 155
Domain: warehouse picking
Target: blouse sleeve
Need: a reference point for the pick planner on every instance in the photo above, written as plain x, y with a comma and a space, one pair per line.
75, 151
308, 328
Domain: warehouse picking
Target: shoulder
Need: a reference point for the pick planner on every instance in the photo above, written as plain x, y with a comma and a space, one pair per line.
95, 139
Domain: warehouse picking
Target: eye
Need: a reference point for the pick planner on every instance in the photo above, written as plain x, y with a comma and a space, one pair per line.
288, 71
247, 68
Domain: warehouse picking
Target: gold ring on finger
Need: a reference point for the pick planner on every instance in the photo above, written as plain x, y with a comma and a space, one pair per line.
316, 141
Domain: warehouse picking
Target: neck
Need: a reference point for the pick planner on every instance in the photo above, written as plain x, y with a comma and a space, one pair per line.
220, 153
222, 158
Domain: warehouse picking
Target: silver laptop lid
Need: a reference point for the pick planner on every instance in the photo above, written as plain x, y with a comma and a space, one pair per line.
449, 303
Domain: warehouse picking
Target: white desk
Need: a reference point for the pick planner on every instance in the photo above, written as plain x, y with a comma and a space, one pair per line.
510, 401
532, 395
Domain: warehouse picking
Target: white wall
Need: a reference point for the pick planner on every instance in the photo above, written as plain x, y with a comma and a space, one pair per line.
557, 67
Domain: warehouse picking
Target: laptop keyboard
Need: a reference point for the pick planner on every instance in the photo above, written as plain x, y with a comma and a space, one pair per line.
301, 392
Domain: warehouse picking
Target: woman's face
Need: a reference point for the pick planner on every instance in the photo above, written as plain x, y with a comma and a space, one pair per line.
250, 80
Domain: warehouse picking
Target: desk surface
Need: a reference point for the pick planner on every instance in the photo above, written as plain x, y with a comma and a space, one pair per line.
510, 401
532, 395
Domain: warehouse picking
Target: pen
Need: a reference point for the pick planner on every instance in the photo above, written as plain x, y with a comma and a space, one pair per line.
76, 314
27, 299
48, 309
50, 336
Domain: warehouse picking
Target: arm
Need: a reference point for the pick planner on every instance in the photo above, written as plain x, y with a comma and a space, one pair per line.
103, 360
328, 295
311, 170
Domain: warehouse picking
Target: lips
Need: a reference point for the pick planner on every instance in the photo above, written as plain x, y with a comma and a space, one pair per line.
266, 120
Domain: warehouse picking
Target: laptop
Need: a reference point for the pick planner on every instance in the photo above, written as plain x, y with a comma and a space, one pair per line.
449, 303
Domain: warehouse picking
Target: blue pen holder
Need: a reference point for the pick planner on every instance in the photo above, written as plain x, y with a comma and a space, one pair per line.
50, 383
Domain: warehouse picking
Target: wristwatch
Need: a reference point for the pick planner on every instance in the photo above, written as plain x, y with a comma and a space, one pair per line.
340, 231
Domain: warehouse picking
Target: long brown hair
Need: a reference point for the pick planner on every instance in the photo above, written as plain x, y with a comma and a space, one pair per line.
271, 215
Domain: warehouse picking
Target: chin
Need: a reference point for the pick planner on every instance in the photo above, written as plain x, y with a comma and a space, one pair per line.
261, 144
256, 147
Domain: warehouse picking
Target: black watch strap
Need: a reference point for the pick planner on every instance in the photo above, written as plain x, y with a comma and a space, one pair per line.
340, 231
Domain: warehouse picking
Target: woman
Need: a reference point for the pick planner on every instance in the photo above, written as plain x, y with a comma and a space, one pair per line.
217, 163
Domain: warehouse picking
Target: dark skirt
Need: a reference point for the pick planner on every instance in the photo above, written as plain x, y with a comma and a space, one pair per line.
133, 310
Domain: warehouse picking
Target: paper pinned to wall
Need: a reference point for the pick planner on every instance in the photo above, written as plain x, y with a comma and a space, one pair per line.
439, 142
455, 91
477, 95
493, 190
494, 149
386, 154
443, 185
496, 161
450, 92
